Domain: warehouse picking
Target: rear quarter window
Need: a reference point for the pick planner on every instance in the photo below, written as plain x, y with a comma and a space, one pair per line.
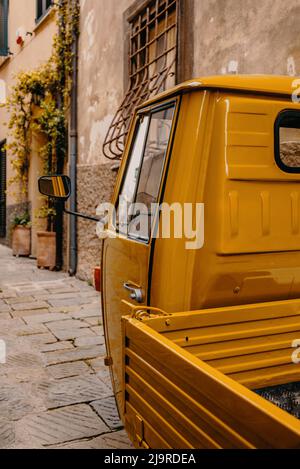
287, 141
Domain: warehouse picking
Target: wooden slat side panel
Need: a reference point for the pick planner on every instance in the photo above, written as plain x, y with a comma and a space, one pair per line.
256, 347
238, 330
245, 346
177, 419
266, 377
150, 434
216, 430
254, 361
226, 315
251, 347
258, 421
192, 386
149, 414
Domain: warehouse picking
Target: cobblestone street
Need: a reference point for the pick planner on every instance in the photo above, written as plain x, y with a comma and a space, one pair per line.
54, 388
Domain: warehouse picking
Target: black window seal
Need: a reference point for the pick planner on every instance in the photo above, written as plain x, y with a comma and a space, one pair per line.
283, 114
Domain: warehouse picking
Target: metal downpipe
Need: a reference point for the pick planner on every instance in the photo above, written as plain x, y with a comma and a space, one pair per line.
73, 157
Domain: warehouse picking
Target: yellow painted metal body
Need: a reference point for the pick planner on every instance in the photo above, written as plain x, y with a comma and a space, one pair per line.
222, 154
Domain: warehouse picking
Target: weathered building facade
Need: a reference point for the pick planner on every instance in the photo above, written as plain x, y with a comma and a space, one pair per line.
130, 49
26, 36
213, 37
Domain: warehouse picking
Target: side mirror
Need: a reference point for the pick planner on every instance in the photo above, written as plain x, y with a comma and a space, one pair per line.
57, 187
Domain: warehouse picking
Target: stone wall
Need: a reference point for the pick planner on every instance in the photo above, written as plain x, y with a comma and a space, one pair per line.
95, 185
251, 36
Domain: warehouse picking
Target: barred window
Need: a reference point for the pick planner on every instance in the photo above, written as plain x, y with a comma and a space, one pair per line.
152, 66
3, 27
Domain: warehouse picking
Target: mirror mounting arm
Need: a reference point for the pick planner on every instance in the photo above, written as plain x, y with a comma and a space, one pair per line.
81, 215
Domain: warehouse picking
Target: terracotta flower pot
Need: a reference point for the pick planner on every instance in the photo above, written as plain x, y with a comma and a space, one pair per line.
46, 249
21, 241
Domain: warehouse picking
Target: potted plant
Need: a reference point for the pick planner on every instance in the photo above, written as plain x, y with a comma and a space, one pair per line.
21, 235
46, 240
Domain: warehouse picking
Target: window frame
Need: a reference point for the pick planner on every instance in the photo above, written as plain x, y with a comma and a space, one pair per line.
284, 113
5, 50
185, 46
175, 101
45, 10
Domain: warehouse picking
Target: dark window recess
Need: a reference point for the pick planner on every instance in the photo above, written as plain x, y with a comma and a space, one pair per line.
2, 190
42, 8
3, 28
287, 141
152, 66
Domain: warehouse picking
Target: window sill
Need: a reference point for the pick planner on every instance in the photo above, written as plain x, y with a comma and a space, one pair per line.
43, 20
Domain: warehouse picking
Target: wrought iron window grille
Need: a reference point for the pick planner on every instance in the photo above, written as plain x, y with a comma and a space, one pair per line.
152, 66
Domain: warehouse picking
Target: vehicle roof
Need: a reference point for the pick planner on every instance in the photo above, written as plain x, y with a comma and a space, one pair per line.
262, 84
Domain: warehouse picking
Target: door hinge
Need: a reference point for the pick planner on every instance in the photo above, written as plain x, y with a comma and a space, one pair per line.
139, 432
108, 361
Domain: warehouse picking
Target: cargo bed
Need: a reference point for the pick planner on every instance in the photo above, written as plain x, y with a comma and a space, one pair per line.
189, 377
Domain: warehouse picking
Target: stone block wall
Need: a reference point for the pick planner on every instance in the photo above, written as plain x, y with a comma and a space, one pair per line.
95, 186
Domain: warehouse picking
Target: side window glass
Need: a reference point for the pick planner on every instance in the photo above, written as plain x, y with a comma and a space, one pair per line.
133, 169
144, 174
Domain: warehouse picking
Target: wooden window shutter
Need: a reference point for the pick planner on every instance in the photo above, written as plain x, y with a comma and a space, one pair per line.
3, 27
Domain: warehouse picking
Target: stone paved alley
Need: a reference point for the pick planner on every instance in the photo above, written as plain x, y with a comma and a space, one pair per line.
54, 388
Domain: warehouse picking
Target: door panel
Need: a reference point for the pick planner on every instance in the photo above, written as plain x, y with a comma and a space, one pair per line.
124, 261
127, 247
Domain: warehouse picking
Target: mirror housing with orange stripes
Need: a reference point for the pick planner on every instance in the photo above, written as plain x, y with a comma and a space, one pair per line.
56, 187
59, 187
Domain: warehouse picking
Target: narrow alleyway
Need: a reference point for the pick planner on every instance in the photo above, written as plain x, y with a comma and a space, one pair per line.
54, 388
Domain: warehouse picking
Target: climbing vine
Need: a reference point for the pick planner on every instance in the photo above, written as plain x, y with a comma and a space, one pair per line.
39, 102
